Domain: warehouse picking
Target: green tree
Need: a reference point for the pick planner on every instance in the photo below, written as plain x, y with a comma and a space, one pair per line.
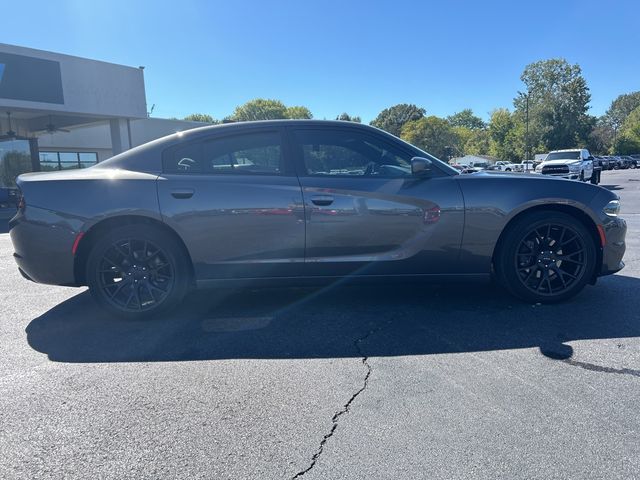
506, 136
298, 112
628, 141
259, 109
477, 142
601, 137
466, 119
267, 109
200, 117
345, 117
620, 109
12, 164
558, 104
432, 134
392, 119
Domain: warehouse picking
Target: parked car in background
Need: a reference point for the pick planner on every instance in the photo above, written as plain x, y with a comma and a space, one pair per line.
280, 201
8, 197
574, 164
605, 162
617, 162
629, 161
504, 166
528, 166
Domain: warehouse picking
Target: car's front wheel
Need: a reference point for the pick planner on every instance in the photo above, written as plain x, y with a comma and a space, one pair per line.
546, 257
137, 271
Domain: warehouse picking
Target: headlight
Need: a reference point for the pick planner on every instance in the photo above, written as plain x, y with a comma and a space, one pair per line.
574, 167
612, 208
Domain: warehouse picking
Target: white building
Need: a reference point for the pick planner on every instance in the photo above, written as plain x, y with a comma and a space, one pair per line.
59, 111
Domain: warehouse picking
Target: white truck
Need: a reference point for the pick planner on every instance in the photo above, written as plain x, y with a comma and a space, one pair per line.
574, 164
505, 166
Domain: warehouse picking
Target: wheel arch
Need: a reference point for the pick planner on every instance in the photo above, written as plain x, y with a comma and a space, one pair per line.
96, 230
574, 211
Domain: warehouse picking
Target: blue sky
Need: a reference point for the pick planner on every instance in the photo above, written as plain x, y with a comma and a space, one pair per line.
336, 56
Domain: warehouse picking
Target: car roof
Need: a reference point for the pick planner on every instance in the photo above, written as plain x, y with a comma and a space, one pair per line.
568, 150
277, 123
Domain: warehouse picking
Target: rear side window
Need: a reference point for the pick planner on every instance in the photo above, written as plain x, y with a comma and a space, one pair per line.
254, 153
184, 159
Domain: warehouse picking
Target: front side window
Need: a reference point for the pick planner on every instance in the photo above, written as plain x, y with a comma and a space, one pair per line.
345, 153
253, 153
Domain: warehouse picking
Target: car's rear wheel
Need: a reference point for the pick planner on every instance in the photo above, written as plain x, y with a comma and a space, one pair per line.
137, 271
546, 257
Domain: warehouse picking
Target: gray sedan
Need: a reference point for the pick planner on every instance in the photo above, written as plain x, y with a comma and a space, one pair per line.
304, 201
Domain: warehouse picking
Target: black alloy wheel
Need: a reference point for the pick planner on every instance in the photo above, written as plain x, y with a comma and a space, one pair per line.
135, 274
550, 258
138, 271
546, 257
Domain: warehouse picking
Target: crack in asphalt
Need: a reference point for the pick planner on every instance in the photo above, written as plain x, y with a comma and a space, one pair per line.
344, 409
600, 368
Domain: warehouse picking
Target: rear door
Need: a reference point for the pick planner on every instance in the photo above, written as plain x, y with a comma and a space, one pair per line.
236, 203
366, 213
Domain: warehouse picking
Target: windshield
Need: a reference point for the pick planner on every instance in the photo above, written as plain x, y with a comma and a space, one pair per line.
563, 156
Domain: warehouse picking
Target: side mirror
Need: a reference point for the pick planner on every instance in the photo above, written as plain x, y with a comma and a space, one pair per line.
420, 166
590, 158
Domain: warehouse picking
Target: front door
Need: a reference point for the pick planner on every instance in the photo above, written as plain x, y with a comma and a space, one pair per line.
365, 212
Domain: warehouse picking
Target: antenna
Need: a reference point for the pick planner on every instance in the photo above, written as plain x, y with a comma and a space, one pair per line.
150, 112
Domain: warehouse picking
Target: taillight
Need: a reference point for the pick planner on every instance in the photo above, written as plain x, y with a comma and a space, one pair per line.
21, 203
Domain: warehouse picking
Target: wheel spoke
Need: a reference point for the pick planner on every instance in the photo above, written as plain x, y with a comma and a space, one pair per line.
559, 275
136, 288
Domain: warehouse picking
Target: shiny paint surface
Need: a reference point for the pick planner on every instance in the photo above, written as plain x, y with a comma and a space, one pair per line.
383, 226
237, 225
293, 225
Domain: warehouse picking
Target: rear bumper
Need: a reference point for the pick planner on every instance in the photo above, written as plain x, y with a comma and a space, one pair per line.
615, 229
42, 242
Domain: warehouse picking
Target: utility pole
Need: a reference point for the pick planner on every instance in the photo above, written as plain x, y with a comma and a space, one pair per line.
527, 153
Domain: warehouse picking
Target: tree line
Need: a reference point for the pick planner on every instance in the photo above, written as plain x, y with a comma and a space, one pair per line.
551, 113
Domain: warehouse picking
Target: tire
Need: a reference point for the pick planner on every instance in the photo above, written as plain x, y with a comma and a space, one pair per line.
582, 176
533, 267
138, 272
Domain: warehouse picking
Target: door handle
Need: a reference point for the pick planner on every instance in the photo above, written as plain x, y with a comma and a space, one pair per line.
322, 200
182, 193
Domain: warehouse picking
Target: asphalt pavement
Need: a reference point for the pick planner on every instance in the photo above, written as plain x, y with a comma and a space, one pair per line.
403, 381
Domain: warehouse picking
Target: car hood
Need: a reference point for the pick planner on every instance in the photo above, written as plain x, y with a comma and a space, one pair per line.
559, 162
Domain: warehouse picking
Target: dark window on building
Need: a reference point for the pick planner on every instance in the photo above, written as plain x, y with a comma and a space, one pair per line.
66, 160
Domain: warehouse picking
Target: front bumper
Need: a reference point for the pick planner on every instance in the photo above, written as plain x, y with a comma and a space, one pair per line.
615, 229
568, 176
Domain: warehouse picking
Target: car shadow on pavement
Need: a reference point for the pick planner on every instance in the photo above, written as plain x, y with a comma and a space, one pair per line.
338, 321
